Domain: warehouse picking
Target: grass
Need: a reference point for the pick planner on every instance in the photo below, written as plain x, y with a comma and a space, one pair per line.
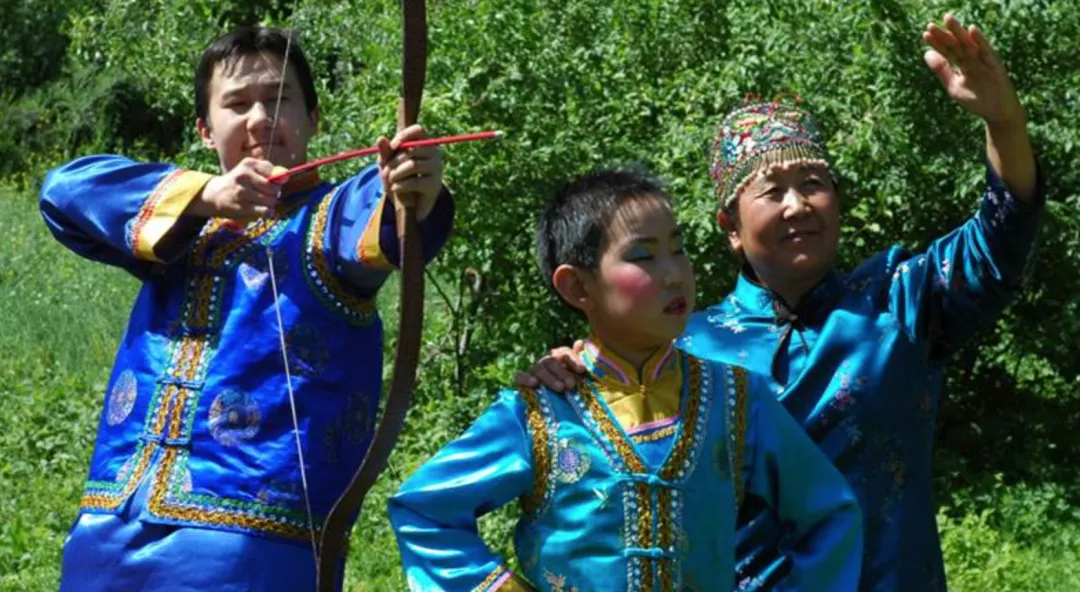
60, 321
62, 317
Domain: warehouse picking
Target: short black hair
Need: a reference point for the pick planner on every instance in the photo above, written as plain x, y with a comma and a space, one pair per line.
247, 40
572, 229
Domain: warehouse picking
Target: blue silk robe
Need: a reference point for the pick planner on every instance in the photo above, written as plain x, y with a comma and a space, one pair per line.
196, 450
860, 363
629, 484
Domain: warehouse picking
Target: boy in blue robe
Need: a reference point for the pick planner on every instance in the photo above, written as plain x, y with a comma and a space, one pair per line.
195, 482
630, 482
859, 358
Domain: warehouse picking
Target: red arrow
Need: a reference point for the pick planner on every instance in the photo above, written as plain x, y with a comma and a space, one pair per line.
281, 174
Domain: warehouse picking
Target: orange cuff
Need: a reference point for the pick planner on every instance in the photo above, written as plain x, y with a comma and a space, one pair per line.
160, 212
368, 250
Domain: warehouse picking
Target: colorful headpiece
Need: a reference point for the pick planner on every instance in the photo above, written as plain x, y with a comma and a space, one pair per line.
758, 136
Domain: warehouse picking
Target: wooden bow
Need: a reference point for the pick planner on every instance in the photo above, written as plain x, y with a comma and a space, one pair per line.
336, 527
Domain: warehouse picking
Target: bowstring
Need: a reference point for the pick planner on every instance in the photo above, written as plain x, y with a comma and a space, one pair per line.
277, 311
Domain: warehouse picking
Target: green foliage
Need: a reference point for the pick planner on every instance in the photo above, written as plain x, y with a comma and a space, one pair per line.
1010, 538
61, 320
576, 84
33, 41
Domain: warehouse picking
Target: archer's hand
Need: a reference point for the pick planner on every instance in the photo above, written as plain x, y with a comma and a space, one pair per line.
414, 177
244, 193
972, 73
556, 370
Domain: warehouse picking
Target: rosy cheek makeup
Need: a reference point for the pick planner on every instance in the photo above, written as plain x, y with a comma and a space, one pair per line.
635, 284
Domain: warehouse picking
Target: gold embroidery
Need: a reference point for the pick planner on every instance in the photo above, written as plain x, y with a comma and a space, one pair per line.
684, 445
739, 431
110, 501
217, 516
675, 462
163, 409
666, 539
146, 211
491, 579
645, 531
337, 290
160, 212
656, 435
540, 450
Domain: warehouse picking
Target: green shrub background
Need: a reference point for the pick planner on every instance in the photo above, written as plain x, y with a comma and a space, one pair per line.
574, 84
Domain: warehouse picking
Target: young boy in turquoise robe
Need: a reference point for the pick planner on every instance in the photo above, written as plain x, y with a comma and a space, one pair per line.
195, 480
630, 482
859, 358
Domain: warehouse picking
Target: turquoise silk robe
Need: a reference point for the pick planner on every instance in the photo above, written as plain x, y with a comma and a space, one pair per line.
197, 427
860, 363
628, 484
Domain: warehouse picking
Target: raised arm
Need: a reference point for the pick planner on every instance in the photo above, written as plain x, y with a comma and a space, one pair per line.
434, 512
820, 519
964, 279
363, 225
121, 212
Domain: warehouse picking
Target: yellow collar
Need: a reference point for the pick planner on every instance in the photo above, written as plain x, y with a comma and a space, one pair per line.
642, 399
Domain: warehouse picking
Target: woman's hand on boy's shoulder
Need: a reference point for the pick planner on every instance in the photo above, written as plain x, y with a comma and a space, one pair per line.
557, 371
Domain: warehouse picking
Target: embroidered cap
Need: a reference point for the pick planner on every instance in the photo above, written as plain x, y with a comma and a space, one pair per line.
757, 137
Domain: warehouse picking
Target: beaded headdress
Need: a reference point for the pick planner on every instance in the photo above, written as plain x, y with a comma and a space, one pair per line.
758, 136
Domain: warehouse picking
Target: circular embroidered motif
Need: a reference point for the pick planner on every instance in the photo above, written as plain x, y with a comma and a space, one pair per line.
571, 461
234, 417
122, 398
359, 418
309, 353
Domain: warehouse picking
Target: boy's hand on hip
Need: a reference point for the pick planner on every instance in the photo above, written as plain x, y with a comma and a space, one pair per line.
414, 176
243, 194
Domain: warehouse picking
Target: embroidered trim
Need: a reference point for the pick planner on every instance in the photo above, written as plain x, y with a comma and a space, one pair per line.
654, 435
662, 364
665, 502
492, 578
107, 495
202, 310
737, 378
329, 289
146, 211
174, 405
637, 498
224, 512
682, 455
537, 415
